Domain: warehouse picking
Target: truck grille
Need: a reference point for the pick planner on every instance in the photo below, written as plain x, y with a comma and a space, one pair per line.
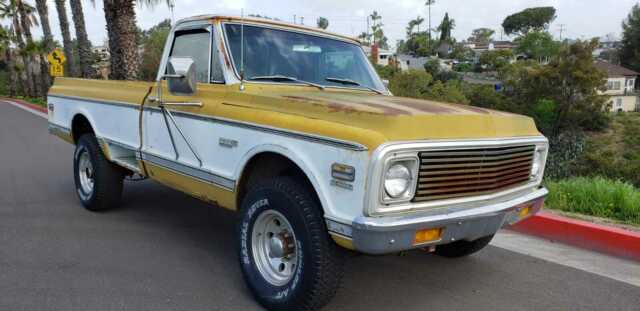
457, 173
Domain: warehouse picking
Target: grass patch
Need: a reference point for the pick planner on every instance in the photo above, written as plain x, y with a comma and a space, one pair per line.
596, 196
37, 101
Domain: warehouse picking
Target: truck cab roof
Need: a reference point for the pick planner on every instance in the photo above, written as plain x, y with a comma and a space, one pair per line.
267, 22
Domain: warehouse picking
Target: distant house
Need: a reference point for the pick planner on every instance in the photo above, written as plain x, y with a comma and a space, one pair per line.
620, 86
383, 55
406, 62
480, 48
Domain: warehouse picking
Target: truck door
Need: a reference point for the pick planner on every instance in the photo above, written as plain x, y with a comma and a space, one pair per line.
178, 132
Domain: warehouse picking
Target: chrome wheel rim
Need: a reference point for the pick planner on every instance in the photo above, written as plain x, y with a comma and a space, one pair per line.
85, 170
274, 248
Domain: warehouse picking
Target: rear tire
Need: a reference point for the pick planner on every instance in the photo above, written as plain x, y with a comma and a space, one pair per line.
98, 182
462, 248
303, 268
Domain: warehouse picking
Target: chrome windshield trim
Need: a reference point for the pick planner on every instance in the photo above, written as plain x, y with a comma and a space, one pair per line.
237, 74
373, 207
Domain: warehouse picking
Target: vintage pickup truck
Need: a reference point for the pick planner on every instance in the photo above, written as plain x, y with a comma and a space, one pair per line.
292, 128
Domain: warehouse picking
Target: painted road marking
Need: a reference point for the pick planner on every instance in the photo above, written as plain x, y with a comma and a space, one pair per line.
38, 113
604, 265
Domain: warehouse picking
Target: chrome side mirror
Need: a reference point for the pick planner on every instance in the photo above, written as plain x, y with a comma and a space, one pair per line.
181, 77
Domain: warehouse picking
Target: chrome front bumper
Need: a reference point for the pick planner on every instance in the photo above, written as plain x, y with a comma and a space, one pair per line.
381, 235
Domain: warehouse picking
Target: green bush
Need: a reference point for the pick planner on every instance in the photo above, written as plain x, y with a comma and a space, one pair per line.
596, 196
614, 154
4, 83
564, 152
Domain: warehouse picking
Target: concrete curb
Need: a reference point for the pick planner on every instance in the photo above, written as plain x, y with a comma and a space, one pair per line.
25, 104
604, 239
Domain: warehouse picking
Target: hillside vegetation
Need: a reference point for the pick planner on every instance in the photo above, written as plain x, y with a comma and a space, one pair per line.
614, 153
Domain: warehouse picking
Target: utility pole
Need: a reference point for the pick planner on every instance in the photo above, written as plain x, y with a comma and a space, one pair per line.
295, 19
171, 7
561, 30
367, 37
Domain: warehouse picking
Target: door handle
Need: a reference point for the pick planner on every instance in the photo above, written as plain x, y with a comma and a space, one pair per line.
181, 104
156, 100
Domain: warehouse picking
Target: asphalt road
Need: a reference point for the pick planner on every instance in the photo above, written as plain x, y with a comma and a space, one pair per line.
163, 250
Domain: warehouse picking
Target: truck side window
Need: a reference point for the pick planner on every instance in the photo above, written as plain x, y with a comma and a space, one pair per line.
194, 44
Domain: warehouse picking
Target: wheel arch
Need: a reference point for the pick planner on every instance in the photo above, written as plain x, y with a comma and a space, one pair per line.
80, 125
270, 161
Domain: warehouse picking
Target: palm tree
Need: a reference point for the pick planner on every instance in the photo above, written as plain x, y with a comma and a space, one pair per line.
120, 16
5, 48
27, 20
84, 46
43, 13
48, 44
22, 18
429, 3
418, 21
322, 22
412, 24
66, 37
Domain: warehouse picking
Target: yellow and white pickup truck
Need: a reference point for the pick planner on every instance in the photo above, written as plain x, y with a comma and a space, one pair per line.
292, 128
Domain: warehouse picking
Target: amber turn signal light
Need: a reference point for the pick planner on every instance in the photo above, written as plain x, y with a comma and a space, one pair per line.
427, 235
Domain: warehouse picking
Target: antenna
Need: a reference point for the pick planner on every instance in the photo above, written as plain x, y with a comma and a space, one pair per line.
242, 49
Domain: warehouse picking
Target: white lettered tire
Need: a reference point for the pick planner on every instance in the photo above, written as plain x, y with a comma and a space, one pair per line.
287, 257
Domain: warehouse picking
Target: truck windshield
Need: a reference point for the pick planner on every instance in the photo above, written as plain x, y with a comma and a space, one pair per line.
291, 57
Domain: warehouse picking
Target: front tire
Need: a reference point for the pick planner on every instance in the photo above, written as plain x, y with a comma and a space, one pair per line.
98, 181
287, 257
462, 248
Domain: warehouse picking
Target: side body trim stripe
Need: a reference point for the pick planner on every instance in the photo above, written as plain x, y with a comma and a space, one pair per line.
189, 171
272, 130
258, 127
99, 101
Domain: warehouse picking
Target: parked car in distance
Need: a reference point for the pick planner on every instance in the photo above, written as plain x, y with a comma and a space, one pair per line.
292, 128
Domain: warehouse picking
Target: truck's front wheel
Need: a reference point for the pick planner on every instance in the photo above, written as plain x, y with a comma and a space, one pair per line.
98, 181
286, 255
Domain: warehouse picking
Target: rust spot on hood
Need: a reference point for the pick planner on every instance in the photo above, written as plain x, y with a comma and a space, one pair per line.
423, 105
471, 108
350, 106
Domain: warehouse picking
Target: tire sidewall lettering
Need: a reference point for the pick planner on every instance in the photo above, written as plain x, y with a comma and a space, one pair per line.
263, 287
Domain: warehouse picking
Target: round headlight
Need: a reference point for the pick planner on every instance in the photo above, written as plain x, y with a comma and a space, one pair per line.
397, 180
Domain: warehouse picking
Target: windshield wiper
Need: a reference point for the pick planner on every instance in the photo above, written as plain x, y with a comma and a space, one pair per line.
351, 82
286, 78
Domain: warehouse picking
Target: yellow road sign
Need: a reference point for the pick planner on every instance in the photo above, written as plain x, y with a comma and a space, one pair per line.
56, 57
56, 70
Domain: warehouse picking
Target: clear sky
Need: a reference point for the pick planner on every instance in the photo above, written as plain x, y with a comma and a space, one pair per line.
581, 18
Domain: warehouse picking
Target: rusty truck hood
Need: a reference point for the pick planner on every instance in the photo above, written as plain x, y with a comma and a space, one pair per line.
371, 119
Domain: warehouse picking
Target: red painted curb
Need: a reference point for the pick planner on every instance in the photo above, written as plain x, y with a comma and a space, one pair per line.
604, 239
26, 104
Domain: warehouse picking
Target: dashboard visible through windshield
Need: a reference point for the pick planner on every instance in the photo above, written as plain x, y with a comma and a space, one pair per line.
291, 57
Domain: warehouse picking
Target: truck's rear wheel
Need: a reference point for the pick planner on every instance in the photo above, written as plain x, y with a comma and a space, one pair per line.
98, 181
462, 248
286, 255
